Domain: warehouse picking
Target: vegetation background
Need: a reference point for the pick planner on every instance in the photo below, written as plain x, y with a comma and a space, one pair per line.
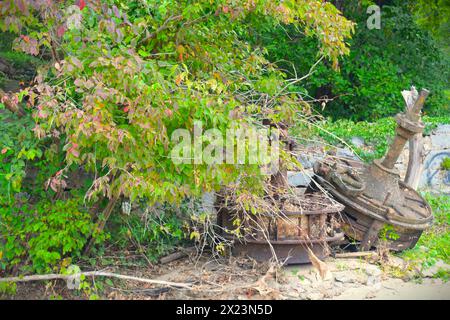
111, 82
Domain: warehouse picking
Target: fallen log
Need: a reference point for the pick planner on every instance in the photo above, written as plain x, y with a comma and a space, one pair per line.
176, 255
54, 276
358, 254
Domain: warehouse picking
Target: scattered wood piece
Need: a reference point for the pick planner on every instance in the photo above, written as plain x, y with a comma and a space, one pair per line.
176, 255
152, 292
263, 288
318, 264
356, 254
54, 276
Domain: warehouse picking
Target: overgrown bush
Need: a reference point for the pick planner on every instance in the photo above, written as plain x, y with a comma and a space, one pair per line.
18, 145
381, 64
36, 238
377, 135
153, 232
122, 76
434, 244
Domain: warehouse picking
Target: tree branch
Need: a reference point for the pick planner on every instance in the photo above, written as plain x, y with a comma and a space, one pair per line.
164, 26
54, 276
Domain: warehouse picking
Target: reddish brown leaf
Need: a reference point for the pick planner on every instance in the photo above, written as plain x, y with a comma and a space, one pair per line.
60, 31
168, 113
81, 4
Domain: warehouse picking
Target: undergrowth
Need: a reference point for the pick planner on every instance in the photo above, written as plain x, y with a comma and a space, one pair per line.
434, 244
377, 135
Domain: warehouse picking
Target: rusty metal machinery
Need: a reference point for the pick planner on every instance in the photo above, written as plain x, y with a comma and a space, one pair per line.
310, 221
377, 203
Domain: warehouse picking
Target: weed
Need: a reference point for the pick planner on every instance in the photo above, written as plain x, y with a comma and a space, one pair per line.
445, 165
44, 234
434, 244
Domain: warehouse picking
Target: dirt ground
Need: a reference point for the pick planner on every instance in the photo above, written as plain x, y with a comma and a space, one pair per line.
242, 279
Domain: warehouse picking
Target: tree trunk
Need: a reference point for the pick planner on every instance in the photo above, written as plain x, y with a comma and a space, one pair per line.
415, 162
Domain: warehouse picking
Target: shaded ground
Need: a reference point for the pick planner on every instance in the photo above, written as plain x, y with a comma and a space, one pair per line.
241, 279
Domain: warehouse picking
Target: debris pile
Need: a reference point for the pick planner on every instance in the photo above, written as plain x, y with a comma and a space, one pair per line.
375, 202
308, 221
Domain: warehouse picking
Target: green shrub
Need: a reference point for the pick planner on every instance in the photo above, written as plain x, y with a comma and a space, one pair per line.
36, 238
152, 233
26, 162
434, 244
377, 135
445, 165
18, 145
381, 64
119, 86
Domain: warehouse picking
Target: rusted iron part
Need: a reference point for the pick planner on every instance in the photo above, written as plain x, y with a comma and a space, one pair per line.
311, 222
374, 196
365, 218
289, 253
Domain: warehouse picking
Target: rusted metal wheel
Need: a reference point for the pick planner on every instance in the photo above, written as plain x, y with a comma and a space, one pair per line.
386, 209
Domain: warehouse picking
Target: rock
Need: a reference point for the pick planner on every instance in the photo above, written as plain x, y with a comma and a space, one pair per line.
346, 153
303, 281
373, 281
314, 296
358, 142
306, 161
315, 277
433, 176
373, 277
396, 262
373, 271
344, 278
328, 276
393, 284
300, 178
371, 295
296, 287
440, 139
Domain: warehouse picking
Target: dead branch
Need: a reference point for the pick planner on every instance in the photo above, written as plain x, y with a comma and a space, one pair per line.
176, 255
54, 276
318, 264
14, 108
355, 254
101, 225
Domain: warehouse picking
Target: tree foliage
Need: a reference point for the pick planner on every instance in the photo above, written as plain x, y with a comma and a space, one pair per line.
381, 64
125, 75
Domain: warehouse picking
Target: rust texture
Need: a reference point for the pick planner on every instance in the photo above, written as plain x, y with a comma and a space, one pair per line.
311, 221
377, 203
